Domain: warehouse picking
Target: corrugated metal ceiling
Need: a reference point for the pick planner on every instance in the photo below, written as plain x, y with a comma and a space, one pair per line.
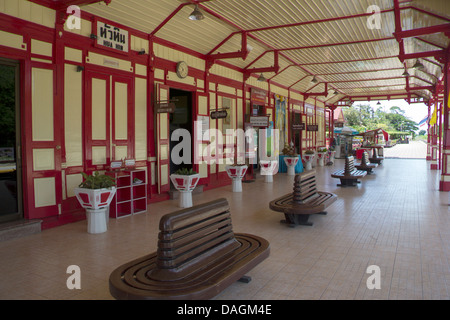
335, 40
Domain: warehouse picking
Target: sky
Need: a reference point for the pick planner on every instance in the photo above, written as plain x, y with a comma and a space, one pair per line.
415, 111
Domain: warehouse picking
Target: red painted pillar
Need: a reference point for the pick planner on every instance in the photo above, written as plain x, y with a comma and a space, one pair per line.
434, 144
444, 184
429, 133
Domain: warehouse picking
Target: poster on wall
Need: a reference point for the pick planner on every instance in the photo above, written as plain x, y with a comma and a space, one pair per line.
281, 119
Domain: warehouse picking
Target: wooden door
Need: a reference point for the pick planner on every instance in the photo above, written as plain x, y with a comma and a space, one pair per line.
97, 121
122, 134
43, 145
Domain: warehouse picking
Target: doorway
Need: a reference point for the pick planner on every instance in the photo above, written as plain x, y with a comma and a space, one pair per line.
10, 153
181, 118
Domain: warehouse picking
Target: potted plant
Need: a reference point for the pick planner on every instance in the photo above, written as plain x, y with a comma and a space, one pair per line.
185, 180
309, 157
321, 152
290, 159
236, 172
95, 194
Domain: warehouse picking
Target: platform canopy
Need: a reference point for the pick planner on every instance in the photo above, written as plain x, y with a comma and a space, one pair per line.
338, 51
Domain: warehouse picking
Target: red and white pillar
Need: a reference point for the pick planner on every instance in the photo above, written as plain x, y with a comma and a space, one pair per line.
444, 184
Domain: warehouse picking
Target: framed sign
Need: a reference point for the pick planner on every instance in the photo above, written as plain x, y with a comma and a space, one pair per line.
129, 163
165, 107
219, 114
258, 95
312, 127
259, 121
298, 126
111, 37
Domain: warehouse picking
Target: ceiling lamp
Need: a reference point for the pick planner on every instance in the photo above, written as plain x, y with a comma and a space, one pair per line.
261, 78
405, 74
314, 80
196, 14
418, 65
335, 92
378, 103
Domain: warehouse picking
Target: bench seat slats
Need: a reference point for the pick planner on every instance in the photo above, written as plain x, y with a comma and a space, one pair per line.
304, 200
198, 256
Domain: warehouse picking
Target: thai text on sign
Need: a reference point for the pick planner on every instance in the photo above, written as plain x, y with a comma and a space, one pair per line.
112, 37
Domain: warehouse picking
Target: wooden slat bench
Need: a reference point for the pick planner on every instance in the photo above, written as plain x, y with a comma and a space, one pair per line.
365, 164
198, 256
375, 157
304, 201
349, 175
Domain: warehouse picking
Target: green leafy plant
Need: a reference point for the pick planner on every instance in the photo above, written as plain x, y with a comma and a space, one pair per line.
288, 151
185, 172
97, 181
322, 150
309, 152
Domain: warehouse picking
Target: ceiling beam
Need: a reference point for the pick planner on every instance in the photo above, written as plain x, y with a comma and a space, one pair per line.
445, 28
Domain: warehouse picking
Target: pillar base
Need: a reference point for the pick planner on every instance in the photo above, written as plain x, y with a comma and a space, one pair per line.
444, 185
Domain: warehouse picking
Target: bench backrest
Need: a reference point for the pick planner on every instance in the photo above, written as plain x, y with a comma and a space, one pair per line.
193, 238
365, 159
304, 186
349, 164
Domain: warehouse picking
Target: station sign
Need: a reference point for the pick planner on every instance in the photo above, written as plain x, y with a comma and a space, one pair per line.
112, 37
165, 107
259, 121
298, 126
312, 127
219, 114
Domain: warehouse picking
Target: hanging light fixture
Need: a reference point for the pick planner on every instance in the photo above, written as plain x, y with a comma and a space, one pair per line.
405, 74
335, 92
314, 80
261, 77
418, 65
196, 14
378, 103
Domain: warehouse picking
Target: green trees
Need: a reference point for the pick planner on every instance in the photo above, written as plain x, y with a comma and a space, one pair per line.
363, 118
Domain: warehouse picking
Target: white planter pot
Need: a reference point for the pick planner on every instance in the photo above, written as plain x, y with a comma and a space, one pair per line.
95, 198
97, 220
236, 173
321, 158
308, 159
96, 202
185, 184
268, 169
291, 162
332, 153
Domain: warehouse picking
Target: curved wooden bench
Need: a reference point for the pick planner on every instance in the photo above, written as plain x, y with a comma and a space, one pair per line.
304, 201
349, 175
198, 256
375, 157
365, 164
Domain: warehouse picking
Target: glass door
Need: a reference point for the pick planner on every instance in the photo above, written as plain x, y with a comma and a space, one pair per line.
10, 166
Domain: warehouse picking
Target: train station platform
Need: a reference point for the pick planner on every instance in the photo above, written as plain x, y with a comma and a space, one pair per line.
395, 219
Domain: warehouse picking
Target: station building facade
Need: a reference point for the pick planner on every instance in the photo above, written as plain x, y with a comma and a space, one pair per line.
94, 93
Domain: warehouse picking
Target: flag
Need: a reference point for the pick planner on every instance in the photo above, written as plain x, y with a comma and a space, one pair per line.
433, 116
423, 121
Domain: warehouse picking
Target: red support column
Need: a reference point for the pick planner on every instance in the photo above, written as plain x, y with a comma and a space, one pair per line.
429, 133
434, 145
444, 184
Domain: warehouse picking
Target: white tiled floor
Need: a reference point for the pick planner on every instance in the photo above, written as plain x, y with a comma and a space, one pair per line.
395, 219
